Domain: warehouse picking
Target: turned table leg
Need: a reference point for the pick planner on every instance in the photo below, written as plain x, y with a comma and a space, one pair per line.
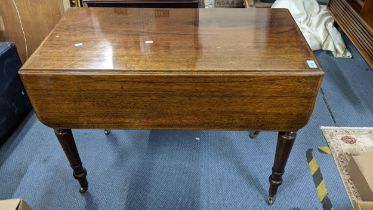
285, 142
66, 139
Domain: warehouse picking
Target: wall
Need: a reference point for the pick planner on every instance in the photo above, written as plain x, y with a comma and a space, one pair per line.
38, 17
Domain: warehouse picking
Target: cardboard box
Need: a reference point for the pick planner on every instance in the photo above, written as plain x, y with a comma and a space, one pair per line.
14, 204
363, 205
361, 172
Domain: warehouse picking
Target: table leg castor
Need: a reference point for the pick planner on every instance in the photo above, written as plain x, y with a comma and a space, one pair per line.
253, 134
271, 200
83, 189
107, 132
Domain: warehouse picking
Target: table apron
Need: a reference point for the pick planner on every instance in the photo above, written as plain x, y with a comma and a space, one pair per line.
209, 102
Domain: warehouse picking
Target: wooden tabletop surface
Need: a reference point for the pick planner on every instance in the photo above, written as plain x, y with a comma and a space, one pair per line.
173, 40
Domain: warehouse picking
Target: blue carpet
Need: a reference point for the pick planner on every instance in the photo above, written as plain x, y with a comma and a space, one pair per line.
347, 86
187, 169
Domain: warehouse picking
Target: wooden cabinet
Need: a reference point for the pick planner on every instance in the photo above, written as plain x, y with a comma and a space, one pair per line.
355, 17
26, 23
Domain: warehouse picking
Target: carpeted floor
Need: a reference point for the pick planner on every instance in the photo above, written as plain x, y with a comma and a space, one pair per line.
188, 169
345, 142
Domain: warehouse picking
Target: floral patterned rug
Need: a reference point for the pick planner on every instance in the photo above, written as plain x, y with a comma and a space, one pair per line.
345, 142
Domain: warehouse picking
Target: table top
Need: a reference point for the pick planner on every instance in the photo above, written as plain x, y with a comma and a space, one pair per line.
132, 40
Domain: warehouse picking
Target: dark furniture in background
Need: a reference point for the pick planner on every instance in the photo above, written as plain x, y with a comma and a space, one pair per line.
14, 104
355, 18
142, 3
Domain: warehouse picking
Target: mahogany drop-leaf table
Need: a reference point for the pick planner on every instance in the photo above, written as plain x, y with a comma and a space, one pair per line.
189, 69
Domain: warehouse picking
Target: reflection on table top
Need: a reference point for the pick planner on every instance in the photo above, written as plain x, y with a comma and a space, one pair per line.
173, 40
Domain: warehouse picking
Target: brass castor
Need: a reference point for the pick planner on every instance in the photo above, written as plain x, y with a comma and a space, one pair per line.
270, 200
107, 132
253, 134
83, 189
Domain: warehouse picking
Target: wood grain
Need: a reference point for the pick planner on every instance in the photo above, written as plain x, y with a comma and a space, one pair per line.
143, 40
113, 79
183, 101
